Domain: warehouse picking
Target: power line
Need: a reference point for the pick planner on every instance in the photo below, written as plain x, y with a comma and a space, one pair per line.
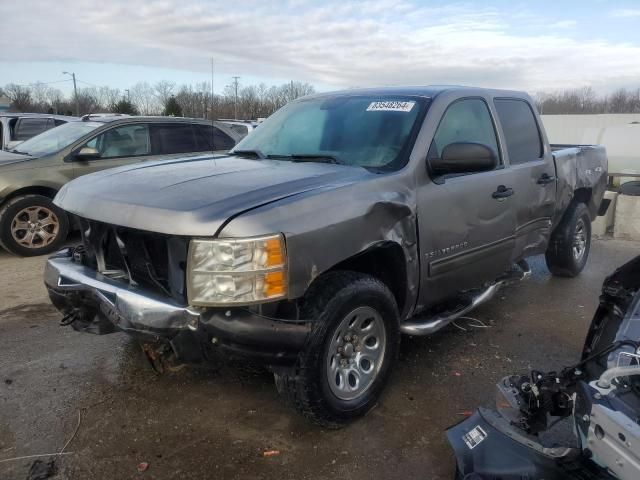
87, 83
40, 83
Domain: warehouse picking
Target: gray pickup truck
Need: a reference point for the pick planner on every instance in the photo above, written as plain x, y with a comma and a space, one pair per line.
342, 221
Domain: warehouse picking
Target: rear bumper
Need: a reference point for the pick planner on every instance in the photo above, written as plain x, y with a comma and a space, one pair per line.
94, 303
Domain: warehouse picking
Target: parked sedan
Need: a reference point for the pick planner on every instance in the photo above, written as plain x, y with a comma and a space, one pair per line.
15, 128
32, 173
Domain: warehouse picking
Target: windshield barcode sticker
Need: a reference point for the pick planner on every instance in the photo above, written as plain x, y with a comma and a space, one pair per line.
390, 106
474, 437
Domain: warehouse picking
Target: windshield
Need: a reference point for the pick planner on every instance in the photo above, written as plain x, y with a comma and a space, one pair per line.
56, 139
369, 131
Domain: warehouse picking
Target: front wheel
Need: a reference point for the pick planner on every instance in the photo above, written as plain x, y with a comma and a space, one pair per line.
350, 351
570, 243
32, 225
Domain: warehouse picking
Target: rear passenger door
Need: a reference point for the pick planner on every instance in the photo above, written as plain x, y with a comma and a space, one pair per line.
534, 175
466, 222
117, 146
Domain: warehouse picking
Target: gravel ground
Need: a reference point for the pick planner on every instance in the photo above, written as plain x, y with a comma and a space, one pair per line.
216, 423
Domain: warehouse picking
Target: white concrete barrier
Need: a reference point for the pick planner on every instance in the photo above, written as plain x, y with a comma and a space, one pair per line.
627, 218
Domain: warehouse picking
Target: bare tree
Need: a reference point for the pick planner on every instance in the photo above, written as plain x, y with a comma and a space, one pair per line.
144, 99
20, 97
108, 96
618, 102
88, 100
194, 100
163, 91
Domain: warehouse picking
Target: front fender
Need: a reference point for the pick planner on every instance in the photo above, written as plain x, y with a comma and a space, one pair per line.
328, 226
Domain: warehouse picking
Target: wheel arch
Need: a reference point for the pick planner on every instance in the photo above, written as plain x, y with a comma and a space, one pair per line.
585, 195
386, 261
45, 191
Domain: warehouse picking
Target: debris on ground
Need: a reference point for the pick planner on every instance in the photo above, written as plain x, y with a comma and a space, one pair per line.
143, 466
42, 469
270, 453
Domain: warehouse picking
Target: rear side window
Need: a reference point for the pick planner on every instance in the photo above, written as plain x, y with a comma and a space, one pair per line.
58, 122
30, 127
212, 138
520, 130
174, 138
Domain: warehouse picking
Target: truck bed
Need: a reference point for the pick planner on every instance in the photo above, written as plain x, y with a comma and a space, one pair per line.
579, 168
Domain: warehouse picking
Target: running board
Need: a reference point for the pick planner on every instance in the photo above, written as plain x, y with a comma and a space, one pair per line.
422, 326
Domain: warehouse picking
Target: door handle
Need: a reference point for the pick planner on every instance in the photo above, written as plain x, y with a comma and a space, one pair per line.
545, 178
502, 192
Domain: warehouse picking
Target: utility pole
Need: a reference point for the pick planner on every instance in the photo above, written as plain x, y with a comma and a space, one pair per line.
212, 97
75, 91
235, 103
128, 94
213, 130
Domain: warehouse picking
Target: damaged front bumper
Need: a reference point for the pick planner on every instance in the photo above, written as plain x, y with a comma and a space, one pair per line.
95, 303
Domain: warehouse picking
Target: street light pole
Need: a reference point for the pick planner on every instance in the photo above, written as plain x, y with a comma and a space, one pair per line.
75, 91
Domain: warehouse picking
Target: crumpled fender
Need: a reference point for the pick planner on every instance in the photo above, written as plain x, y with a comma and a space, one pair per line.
327, 226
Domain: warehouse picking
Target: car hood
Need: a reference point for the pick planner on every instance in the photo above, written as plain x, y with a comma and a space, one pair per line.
194, 196
8, 158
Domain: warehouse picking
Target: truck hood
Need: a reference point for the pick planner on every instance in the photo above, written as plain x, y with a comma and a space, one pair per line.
194, 196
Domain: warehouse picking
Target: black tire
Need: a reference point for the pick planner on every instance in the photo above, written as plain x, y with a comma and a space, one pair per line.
15, 210
330, 301
561, 257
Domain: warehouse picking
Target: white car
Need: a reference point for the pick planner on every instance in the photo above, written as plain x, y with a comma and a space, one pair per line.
15, 127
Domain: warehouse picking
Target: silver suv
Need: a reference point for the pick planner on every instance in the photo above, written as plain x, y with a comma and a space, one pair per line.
32, 173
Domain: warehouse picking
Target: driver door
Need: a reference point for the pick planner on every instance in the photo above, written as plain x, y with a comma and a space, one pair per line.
117, 146
466, 227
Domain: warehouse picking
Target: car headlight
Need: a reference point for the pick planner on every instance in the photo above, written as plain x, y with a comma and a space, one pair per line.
236, 271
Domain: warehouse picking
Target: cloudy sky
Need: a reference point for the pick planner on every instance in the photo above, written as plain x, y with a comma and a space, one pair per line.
536, 45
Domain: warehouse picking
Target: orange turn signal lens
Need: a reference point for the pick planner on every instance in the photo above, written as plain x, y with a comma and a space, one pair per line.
274, 284
275, 254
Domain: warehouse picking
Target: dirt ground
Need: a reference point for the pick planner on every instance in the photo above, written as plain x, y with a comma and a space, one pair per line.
217, 423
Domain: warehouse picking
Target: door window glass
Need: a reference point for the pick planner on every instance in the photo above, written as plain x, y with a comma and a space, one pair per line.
520, 130
213, 140
30, 127
466, 120
174, 138
125, 141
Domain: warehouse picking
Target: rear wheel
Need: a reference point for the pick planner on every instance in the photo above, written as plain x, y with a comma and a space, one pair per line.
349, 353
570, 243
32, 225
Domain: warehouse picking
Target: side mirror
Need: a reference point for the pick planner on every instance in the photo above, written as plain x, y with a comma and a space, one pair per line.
464, 157
87, 153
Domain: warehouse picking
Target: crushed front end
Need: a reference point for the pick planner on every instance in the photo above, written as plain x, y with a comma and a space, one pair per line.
122, 279
597, 401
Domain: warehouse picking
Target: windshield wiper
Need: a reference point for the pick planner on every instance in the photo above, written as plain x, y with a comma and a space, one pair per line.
19, 152
309, 157
253, 153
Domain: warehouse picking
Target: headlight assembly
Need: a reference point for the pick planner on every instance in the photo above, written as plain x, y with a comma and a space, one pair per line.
230, 271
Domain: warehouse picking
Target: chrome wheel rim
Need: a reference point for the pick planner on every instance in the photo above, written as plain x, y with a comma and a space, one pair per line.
356, 353
35, 227
579, 240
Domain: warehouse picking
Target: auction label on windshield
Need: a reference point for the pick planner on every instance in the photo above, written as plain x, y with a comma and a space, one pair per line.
390, 106
474, 437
